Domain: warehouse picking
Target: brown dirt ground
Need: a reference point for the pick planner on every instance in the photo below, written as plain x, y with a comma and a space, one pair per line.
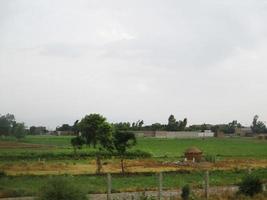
57, 167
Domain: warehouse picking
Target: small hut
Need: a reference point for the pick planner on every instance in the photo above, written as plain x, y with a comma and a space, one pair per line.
193, 154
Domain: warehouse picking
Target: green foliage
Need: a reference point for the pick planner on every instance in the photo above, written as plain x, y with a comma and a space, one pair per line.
123, 140
138, 181
258, 126
250, 185
2, 173
19, 130
77, 142
96, 130
59, 188
186, 192
174, 125
6, 123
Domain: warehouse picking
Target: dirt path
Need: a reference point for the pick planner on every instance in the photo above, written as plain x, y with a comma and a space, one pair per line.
167, 194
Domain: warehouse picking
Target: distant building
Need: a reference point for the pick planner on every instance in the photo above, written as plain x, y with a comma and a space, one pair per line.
65, 133
38, 130
244, 131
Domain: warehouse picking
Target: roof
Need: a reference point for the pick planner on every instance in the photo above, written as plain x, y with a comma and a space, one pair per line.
193, 150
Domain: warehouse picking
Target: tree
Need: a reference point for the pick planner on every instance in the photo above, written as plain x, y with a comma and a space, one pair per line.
64, 127
124, 126
123, 140
182, 124
77, 143
137, 125
156, 127
97, 132
6, 124
19, 130
258, 126
172, 124
75, 127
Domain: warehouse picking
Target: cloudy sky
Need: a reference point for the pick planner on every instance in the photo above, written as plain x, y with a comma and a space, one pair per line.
135, 59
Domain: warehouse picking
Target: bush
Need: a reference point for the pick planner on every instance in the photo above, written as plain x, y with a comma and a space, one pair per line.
59, 188
250, 186
2, 173
185, 192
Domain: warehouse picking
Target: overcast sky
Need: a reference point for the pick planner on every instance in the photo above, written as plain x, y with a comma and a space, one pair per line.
133, 59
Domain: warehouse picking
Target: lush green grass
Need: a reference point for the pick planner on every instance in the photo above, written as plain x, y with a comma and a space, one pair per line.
224, 147
29, 185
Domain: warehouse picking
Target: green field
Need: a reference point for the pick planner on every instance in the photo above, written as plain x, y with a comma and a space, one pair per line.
225, 147
29, 185
60, 150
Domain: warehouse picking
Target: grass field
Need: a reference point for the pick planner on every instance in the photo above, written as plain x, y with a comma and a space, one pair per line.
29, 185
22, 157
224, 147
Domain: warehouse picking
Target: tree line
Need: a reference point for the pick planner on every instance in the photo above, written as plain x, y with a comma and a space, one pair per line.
10, 127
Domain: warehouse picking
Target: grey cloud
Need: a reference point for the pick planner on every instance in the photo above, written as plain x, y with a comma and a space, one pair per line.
133, 59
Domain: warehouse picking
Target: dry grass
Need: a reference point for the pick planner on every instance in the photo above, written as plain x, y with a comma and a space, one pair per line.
113, 166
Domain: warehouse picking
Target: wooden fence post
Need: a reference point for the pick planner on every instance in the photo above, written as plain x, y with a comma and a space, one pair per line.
160, 186
108, 186
207, 185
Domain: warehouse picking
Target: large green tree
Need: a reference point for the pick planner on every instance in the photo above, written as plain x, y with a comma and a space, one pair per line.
19, 130
98, 133
6, 124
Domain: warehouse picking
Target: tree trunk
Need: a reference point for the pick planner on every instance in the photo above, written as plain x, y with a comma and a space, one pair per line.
122, 166
75, 151
98, 164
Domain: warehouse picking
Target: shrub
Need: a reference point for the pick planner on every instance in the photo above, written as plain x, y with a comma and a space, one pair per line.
59, 188
250, 186
2, 173
185, 192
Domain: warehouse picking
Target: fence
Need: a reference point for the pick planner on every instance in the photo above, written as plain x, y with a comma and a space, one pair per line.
160, 187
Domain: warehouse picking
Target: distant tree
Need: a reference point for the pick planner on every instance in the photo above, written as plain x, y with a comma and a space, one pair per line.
172, 124
157, 127
123, 140
77, 143
19, 130
258, 126
97, 132
64, 127
137, 125
123, 126
182, 124
75, 127
6, 124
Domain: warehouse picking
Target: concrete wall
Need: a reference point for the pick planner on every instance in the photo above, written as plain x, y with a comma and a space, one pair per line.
174, 134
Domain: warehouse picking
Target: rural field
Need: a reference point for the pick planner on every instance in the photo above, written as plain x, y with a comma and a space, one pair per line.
30, 162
